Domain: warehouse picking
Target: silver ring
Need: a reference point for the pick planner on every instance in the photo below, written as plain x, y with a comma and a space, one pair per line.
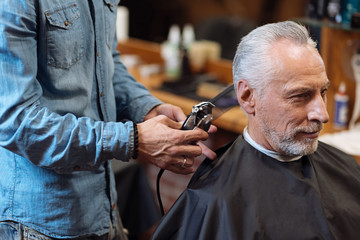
183, 165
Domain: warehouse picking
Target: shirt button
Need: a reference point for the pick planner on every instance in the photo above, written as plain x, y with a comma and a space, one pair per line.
113, 206
97, 54
66, 23
101, 94
76, 168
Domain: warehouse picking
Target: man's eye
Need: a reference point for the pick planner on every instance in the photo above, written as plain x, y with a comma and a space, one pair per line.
300, 97
323, 92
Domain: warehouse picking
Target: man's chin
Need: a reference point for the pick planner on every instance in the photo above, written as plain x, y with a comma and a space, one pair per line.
301, 148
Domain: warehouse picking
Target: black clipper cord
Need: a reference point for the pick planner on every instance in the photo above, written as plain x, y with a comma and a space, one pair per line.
200, 117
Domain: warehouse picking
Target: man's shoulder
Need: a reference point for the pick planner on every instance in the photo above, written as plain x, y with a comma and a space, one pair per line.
229, 158
327, 151
330, 157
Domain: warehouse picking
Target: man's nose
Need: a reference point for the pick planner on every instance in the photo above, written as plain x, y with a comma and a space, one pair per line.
318, 110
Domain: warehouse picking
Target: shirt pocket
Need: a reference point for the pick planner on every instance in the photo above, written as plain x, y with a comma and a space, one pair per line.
64, 37
110, 20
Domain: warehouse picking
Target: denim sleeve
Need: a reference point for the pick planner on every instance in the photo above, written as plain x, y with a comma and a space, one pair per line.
50, 140
133, 100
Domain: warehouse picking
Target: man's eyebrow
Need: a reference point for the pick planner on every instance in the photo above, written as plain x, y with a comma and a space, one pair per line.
305, 89
299, 90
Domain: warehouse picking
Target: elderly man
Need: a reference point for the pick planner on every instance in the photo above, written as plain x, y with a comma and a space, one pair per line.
276, 181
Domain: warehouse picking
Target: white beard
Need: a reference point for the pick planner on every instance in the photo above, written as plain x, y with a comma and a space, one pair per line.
287, 142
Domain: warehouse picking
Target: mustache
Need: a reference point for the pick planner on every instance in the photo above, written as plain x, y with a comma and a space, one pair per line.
291, 135
315, 127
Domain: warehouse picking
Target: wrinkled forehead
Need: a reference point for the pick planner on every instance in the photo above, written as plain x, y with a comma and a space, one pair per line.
297, 64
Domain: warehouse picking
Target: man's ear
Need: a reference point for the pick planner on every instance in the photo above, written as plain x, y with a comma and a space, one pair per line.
245, 96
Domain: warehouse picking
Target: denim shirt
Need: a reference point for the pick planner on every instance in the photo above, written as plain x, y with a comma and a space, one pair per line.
63, 93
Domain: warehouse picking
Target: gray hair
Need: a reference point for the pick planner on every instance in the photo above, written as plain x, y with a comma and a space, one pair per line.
252, 60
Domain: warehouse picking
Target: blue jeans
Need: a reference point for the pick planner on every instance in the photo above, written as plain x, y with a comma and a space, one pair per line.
10, 230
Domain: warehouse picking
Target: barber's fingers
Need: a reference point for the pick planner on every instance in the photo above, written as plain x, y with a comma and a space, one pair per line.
193, 136
206, 151
184, 166
177, 114
189, 150
212, 129
167, 122
174, 155
182, 162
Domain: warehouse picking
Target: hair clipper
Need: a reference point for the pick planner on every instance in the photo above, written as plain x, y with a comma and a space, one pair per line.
200, 117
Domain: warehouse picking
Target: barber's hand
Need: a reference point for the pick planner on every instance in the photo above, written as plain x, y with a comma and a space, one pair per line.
175, 113
164, 145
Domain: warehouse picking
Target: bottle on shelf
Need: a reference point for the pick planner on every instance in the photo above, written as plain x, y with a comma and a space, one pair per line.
334, 11
171, 53
341, 108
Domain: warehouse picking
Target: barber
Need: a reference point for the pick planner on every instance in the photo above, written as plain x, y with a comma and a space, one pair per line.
63, 101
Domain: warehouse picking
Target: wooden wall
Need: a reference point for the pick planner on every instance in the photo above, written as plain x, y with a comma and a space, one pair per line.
151, 19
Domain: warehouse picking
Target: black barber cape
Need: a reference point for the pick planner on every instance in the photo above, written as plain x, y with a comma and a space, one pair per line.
244, 194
